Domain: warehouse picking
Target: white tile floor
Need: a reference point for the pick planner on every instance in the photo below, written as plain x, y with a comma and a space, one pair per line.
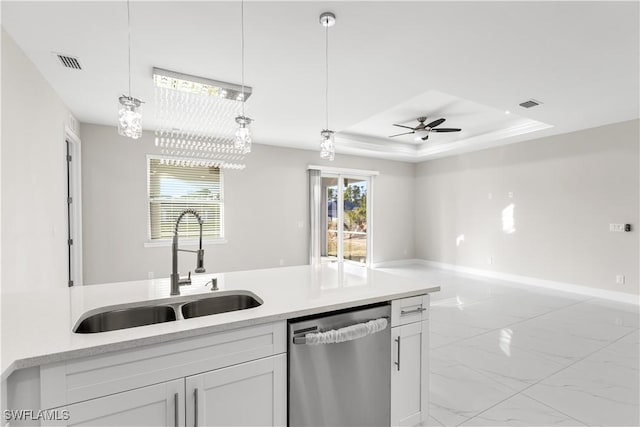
509, 355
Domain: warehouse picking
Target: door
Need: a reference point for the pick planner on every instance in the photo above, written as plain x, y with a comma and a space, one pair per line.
409, 374
248, 394
345, 218
157, 405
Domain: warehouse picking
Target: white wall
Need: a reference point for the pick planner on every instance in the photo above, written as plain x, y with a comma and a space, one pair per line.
567, 189
34, 225
264, 205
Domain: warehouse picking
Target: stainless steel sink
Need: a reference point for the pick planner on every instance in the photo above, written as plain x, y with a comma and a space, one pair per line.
126, 318
218, 304
165, 311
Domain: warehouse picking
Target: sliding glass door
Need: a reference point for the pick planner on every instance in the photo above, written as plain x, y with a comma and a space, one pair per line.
354, 219
345, 218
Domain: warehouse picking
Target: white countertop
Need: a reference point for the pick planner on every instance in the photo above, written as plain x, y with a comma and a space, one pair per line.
37, 326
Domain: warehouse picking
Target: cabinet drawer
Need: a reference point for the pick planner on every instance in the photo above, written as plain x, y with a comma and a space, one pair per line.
409, 310
82, 379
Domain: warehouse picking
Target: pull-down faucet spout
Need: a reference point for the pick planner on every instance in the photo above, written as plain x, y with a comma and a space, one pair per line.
176, 281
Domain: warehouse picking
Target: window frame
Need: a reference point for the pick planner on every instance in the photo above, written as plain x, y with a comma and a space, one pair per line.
185, 241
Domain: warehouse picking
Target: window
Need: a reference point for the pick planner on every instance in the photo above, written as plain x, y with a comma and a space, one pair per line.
174, 187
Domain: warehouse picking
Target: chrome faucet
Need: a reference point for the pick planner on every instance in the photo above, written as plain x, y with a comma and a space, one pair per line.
176, 281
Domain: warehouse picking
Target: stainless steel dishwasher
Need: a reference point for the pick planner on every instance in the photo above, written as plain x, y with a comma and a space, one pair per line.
340, 384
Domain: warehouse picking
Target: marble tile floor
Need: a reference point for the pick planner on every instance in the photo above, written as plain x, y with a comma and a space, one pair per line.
504, 354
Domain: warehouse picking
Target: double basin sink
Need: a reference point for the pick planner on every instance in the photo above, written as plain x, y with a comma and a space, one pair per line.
111, 319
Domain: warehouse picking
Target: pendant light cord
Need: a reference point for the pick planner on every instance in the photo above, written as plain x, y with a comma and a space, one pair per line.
242, 49
326, 55
129, 43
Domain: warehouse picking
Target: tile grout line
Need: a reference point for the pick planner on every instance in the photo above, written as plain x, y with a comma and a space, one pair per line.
535, 383
439, 422
504, 326
542, 379
521, 392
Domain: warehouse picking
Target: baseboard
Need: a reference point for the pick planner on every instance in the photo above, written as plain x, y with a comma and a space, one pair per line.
396, 263
524, 280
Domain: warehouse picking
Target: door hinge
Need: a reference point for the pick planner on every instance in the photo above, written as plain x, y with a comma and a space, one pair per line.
69, 157
70, 282
70, 242
69, 200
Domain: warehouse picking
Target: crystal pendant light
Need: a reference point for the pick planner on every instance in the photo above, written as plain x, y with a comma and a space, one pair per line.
129, 116
327, 145
243, 133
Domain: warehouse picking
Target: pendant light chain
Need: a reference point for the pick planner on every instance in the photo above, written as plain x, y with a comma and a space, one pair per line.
129, 42
242, 49
326, 57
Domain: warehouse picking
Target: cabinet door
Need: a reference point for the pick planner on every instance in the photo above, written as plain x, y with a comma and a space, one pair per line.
409, 374
248, 394
156, 405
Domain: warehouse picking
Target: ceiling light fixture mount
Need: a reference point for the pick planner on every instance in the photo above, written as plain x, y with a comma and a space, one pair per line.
129, 116
328, 19
327, 144
187, 83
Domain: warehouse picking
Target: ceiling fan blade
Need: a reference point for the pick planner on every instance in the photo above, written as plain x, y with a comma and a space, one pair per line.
446, 130
403, 126
426, 137
435, 123
406, 133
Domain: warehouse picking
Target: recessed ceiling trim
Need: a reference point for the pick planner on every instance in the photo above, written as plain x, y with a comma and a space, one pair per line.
373, 147
484, 140
374, 144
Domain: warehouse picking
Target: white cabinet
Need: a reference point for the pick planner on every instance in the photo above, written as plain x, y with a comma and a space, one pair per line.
240, 376
248, 394
156, 405
410, 367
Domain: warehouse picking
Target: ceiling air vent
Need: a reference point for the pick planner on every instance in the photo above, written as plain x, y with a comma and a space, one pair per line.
530, 103
69, 61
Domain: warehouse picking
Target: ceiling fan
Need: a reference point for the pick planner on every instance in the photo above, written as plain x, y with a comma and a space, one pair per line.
430, 127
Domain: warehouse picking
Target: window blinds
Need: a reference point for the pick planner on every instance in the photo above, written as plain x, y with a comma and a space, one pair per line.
172, 189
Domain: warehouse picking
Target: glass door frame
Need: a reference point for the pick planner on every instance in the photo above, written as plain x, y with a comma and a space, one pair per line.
340, 208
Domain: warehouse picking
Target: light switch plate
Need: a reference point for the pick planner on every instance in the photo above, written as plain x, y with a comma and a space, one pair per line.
616, 227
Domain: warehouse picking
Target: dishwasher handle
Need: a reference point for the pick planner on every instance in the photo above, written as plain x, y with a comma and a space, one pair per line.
348, 333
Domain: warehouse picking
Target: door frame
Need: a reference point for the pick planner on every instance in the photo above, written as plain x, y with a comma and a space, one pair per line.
74, 208
341, 174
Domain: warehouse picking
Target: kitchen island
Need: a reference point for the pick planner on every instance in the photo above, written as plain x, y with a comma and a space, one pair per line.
41, 351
